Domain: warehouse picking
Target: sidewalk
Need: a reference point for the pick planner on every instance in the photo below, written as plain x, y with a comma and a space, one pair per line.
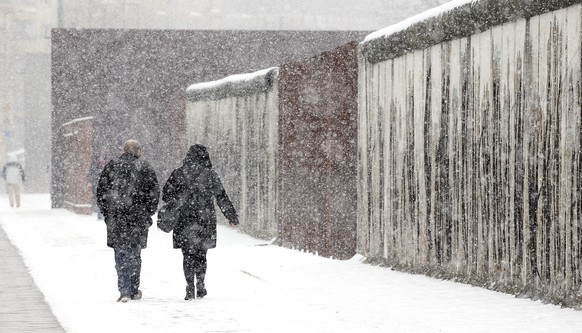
22, 305
252, 287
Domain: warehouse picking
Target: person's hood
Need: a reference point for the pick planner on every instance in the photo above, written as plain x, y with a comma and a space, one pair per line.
197, 156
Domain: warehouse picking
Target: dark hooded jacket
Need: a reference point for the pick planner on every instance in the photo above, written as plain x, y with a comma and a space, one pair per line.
195, 185
129, 228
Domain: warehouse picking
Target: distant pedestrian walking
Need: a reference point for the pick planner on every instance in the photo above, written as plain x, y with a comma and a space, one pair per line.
128, 195
195, 185
13, 175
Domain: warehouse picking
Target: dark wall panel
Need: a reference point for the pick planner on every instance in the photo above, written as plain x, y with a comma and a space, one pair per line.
317, 136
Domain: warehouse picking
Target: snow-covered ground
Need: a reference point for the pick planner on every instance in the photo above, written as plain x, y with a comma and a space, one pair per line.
252, 287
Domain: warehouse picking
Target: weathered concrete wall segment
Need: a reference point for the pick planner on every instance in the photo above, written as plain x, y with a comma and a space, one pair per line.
317, 143
238, 123
469, 153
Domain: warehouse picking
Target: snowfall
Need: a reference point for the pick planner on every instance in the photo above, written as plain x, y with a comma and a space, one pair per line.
253, 286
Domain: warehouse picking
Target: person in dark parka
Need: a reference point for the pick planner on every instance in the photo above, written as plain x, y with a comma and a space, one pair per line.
195, 184
127, 227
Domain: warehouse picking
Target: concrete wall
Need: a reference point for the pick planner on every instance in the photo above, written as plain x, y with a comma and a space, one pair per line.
287, 154
317, 134
132, 81
469, 147
77, 154
238, 123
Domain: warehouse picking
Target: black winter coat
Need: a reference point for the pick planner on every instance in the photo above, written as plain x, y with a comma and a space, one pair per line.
197, 185
129, 228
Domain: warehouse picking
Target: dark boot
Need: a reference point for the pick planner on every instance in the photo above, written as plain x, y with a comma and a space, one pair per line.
137, 296
200, 290
189, 293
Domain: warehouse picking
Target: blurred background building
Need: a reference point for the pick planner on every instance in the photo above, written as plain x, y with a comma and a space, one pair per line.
25, 47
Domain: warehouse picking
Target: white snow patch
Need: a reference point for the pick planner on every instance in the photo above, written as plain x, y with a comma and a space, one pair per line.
77, 120
250, 288
403, 25
237, 78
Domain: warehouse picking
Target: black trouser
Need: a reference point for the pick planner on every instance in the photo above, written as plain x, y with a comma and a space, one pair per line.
194, 267
128, 266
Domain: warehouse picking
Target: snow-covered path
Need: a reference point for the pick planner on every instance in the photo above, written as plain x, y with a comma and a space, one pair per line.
252, 287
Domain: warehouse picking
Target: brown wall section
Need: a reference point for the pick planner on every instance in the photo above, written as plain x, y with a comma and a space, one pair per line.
317, 136
133, 81
76, 138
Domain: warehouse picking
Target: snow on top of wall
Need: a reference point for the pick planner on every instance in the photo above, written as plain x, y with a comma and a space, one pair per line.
236, 79
77, 120
403, 25
244, 81
453, 20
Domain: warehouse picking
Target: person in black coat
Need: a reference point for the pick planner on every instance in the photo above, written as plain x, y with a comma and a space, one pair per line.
195, 185
127, 224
